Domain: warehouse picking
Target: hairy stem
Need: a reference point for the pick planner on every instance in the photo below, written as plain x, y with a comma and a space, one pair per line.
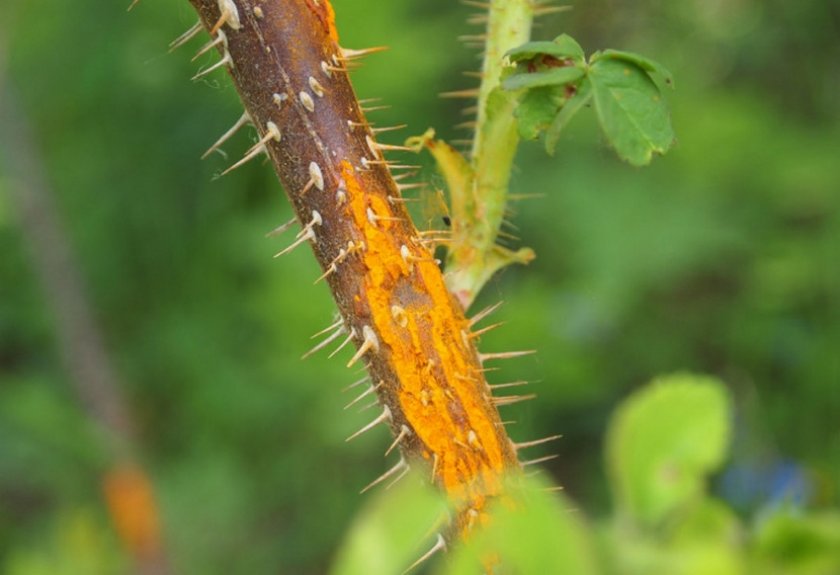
478, 217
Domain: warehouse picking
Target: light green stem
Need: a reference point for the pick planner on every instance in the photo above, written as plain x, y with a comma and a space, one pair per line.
478, 217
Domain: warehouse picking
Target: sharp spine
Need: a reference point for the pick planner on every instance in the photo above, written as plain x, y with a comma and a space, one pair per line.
243, 119
440, 545
401, 465
385, 416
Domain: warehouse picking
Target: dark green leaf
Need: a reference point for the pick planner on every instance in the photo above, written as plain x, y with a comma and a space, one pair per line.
567, 112
537, 109
646, 64
631, 110
550, 77
563, 46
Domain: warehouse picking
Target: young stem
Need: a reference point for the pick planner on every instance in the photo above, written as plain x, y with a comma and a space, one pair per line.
479, 216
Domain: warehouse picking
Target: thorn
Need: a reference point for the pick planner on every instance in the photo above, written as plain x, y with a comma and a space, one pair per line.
307, 101
132, 5
440, 545
469, 93
243, 119
325, 343
221, 38
229, 14
308, 234
347, 340
328, 329
183, 38
401, 464
356, 383
364, 394
404, 432
484, 313
316, 87
511, 399
316, 178
272, 133
348, 54
370, 342
507, 385
281, 228
527, 444
484, 330
504, 355
385, 416
388, 129
226, 59
539, 460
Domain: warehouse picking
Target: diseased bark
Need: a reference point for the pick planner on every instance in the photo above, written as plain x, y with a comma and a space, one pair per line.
289, 70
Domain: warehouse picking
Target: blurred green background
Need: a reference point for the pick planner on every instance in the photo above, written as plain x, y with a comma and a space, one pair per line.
721, 258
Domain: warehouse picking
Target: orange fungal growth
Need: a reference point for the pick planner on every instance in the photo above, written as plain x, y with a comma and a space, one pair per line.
410, 332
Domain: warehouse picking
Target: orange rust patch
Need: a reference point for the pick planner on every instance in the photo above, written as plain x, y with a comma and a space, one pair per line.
325, 13
441, 389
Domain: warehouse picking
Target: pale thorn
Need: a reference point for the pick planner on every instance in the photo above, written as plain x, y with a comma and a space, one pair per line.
482, 331
250, 155
324, 343
539, 460
281, 228
384, 416
316, 220
336, 325
364, 394
369, 109
470, 93
390, 147
132, 5
309, 234
511, 399
484, 313
350, 54
401, 465
347, 340
191, 33
388, 128
221, 38
553, 489
226, 59
370, 342
228, 14
545, 10
316, 87
396, 480
396, 200
405, 431
412, 186
508, 385
331, 269
243, 119
357, 383
440, 545
505, 355
535, 442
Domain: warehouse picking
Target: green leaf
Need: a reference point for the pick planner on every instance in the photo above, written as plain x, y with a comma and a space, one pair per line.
631, 110
549, 77
662, 443
392, 531
537, 534
537, 109
646, 64
581, 98
564, 46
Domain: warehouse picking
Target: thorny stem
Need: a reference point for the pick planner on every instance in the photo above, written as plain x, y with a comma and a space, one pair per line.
410, 332
477, 220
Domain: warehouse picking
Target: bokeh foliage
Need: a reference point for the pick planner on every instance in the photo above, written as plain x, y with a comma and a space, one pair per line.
720, 258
